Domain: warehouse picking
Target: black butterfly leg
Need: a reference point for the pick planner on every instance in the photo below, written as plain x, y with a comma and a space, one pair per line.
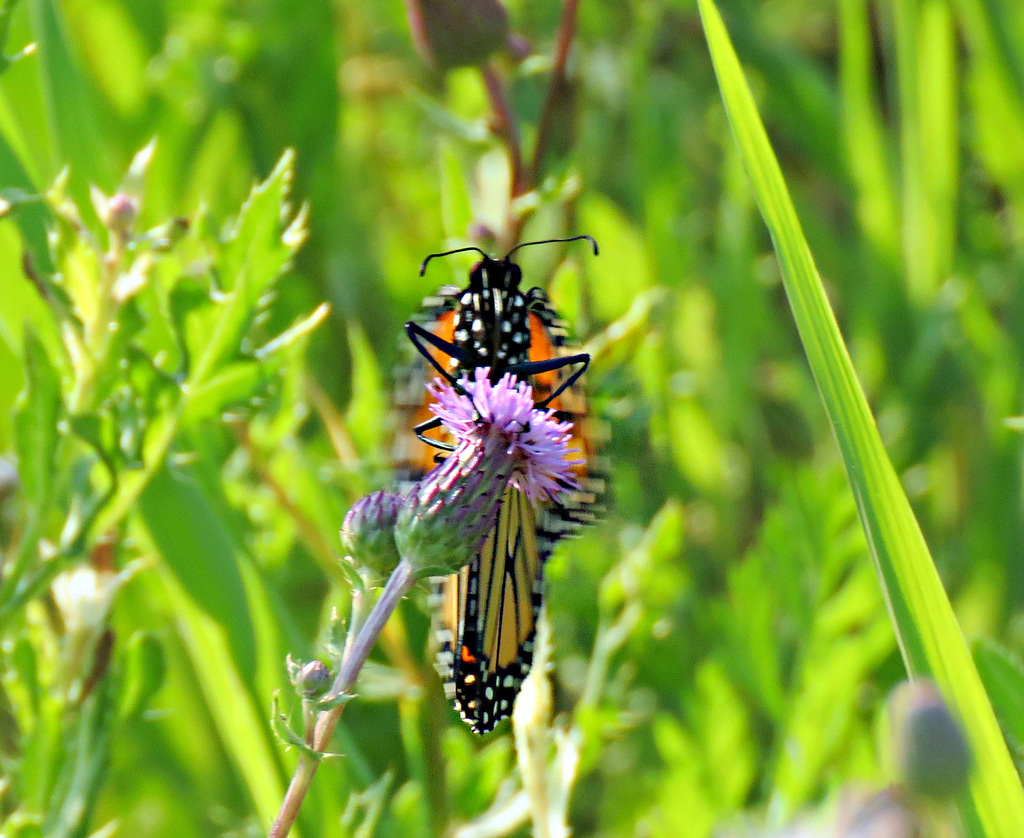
429, 425
417, 334
536, 367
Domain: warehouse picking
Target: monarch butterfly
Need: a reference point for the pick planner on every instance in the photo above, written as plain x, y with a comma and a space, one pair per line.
485, 616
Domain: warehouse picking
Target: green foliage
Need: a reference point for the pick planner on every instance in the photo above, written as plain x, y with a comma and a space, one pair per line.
930, 638
184, 422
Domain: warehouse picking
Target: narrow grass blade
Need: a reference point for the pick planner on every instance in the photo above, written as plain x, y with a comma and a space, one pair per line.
926, 74
73, 128
864, 132
202, 557
929, 636
243, 730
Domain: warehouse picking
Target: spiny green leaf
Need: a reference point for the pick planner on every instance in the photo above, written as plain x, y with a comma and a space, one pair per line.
260, 245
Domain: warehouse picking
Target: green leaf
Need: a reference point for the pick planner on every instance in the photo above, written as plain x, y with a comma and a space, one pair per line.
97, 429
87, 753
930, 638
456, 202
199, 550
35, 424
621, 273
369, 394
228, 694
926, 75
864, 131
295, 336
1003, 676
36, 437
26, 664
145, 666
30, 216
260, 245
232, 385
74, 131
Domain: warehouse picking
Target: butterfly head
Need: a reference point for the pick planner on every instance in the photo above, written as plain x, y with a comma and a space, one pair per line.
490, 275
492, 315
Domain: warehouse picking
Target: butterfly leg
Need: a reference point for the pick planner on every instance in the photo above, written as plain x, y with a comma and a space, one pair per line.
429, 425
417, 334
536, 367
420, 337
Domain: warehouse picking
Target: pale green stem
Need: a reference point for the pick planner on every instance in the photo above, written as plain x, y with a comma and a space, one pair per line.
398, 585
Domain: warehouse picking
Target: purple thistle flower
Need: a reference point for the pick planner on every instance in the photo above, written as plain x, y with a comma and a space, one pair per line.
501, 438
537, 441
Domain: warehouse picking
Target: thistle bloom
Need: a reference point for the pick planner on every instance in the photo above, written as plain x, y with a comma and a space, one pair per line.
536, 441
501, 439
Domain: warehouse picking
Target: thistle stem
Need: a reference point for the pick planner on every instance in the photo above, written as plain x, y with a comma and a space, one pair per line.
554, 102
559, 86
398, 585
505, 127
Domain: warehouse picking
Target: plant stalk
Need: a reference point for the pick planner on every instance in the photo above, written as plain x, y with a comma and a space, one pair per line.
398, 585
554, 102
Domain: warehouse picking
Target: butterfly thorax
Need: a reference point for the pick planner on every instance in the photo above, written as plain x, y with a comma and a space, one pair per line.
492, 318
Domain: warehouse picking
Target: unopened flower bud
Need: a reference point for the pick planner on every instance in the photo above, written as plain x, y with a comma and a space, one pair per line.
368, 533
932, 753
121, 214
519, 47
314, 679
457, 33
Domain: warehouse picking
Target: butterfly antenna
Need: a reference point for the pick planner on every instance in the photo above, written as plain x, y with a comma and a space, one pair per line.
423, 267
554, 241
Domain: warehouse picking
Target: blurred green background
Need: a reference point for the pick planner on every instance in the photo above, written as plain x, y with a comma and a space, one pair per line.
721, 647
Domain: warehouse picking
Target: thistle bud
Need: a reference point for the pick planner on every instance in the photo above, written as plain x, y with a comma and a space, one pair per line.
932, 753
457, 33
368, 533
313, 679
121, 214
